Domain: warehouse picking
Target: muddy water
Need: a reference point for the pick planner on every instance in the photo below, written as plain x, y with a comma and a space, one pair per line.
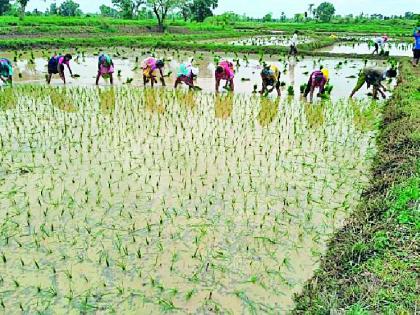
395, 49
295, 72
138, 201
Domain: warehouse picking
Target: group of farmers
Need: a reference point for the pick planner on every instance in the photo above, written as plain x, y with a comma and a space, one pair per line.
270, 74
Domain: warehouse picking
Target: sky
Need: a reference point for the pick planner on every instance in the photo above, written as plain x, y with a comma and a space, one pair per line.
258, 9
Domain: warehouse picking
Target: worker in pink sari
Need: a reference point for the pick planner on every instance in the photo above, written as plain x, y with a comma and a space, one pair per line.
153, 67
105, 68
225, 71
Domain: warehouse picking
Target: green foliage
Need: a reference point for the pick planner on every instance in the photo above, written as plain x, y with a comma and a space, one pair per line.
69, 8
53, 8
201, 9
108, 11
4, 6
268, 17
227, 18
23, 4
161, 9
325, 11
128, 8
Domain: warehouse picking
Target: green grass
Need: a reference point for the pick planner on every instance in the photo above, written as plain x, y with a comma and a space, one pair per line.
372, 264
97, 24
94, 21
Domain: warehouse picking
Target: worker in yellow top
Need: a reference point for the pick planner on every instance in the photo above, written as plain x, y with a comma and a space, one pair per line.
317, 79
270, 76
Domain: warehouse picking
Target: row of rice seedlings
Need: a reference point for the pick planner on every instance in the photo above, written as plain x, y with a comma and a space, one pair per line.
125, 200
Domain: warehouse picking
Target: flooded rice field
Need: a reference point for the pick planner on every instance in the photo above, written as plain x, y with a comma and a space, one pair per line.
394, 49
32, 68
127, 200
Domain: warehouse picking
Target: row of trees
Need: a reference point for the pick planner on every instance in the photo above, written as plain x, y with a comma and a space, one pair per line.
197, 10
67, 8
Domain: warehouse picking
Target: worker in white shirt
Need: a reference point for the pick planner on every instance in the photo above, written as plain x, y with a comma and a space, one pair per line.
293, 44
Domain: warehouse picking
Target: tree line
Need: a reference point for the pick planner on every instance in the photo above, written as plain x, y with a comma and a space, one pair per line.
193, 10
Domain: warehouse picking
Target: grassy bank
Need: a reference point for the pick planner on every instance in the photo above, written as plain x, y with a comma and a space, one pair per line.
45, 25
372, 264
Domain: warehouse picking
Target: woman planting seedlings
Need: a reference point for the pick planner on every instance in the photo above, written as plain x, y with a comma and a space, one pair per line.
56, 66
380, 43
317, 79
225, 71
153, 67
105, 68
270, 76
6, 71
374, 77
187, 73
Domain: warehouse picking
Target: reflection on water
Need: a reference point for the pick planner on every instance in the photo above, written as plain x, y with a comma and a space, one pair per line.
7, 98
315, 114
154, 100
107, 100
269, 110
395, 49
63, 99
223, 105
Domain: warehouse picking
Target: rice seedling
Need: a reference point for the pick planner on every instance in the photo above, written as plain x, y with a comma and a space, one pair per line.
171, 201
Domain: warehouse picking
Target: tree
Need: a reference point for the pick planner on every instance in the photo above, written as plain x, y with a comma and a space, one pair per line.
283, 17
4, 6
108, 11
299, 17
161, 9
53, 9
325, 11
310, 9
69, 8
409, 15
23, 4
202, 9
227, 18
268, 17
185, 8
128, 8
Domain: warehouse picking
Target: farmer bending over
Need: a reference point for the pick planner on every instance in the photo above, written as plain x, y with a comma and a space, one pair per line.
105, 68
225, 71
56, 66
416, 50
153, 67
317, 79
374, 77
187, 73
380, 43
6, 71
270, 76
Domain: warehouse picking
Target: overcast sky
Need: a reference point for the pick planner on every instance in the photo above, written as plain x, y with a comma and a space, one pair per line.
257, 8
